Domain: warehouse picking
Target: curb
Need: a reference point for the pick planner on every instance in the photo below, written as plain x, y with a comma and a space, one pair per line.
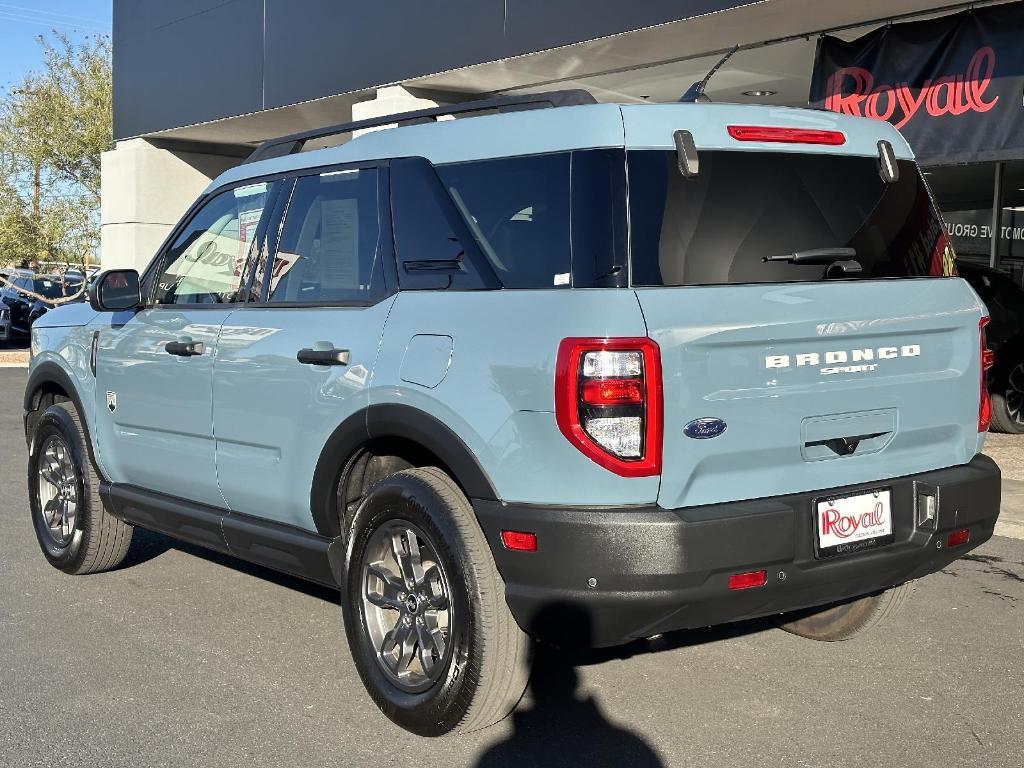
13, 365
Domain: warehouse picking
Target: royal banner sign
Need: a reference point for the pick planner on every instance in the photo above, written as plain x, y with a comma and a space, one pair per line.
954, 86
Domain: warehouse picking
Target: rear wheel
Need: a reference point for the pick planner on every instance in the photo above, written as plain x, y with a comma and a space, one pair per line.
424, 608
74, 530
845, 620
1008, 402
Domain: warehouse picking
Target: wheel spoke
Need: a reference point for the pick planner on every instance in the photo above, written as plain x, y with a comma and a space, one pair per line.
50, 511
406, 551
415, 557
402, 639
51, 473
431, 642
392, 584
1015, 378
437, 602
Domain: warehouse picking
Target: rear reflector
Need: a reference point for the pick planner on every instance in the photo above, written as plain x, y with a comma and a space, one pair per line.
958, 538
786, 135
520, 541
748, 580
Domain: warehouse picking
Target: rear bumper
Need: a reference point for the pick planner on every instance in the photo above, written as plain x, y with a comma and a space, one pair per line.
658, 570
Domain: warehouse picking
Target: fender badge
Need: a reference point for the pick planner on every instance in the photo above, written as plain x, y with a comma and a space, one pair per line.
705, 428
111, 401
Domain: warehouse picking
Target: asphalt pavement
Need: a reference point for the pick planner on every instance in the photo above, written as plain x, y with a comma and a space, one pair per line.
185, 658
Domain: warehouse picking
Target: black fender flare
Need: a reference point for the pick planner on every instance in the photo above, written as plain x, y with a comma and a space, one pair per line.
49, 372
383, 421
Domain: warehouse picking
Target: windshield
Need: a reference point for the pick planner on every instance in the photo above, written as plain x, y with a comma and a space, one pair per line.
743, 207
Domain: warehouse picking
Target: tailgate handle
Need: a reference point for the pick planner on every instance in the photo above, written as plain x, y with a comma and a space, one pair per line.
844, 446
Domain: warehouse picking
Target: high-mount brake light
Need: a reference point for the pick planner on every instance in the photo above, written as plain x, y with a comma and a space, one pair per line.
786, 135
988, 359
608, 402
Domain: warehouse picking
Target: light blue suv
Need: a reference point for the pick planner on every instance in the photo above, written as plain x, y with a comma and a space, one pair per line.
571, 371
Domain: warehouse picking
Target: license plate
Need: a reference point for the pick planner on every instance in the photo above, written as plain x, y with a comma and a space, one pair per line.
853, 523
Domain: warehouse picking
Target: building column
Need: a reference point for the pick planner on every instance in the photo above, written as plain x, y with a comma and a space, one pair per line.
389, 101
145, 189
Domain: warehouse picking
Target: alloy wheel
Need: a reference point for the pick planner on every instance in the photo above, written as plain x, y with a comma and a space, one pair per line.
1015, 394
407, 606
58, 491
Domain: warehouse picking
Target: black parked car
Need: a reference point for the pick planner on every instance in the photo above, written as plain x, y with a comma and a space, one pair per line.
1005, 302
25, 309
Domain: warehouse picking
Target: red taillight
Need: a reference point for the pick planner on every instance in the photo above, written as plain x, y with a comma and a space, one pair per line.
613, 392
988, 359
520, 541
958, 538
608, 402
786, 135
748, 580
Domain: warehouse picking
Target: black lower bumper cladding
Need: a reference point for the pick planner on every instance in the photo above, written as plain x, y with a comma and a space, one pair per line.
603, 576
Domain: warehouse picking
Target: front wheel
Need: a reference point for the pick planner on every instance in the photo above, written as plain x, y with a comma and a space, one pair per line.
846, 620
75, 531
424, 608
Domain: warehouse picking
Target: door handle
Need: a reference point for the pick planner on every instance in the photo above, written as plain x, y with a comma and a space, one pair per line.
322, 356
184, 348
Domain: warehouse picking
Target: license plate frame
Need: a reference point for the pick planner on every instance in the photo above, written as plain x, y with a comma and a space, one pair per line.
837, 546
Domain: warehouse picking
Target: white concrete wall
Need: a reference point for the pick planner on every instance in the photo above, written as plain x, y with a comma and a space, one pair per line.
391, 100
145, 191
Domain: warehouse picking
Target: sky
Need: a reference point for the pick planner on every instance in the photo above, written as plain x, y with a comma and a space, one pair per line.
22, 21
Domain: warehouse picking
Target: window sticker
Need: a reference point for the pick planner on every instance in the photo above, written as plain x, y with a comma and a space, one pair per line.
338, 241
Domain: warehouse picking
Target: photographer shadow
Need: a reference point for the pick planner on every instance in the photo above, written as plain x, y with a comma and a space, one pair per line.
558, 724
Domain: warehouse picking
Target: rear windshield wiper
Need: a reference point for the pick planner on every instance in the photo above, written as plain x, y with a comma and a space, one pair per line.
816, 256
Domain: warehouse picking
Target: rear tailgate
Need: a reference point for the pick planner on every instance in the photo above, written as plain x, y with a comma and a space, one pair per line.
820, 384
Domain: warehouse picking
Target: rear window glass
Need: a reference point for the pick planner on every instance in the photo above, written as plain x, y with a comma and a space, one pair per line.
719, 226
49, 289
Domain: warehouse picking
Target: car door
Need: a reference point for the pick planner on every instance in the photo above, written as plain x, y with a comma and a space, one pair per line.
293, 366
154, 367
19, 303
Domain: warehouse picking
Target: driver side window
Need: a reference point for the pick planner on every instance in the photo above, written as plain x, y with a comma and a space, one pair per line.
207, 261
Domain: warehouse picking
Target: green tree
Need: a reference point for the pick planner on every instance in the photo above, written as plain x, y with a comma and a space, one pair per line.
54, 125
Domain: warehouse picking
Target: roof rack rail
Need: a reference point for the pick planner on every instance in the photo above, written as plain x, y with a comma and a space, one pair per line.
293, 143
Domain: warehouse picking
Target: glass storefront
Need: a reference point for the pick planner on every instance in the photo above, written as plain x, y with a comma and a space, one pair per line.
967, 194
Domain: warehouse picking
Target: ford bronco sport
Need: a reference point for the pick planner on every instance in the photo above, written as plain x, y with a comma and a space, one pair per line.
584, 373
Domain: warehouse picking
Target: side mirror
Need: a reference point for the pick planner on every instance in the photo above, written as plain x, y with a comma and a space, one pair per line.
115, 291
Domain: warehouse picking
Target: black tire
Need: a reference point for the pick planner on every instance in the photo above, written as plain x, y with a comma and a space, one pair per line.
96, 541
1007, 393
845, 620
485, 667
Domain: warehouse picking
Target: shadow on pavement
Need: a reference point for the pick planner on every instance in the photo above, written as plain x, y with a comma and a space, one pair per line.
149, 545
558, 724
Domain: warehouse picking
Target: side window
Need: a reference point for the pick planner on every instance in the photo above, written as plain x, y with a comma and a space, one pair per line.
206, 262
330, 249
434, 246
519, 211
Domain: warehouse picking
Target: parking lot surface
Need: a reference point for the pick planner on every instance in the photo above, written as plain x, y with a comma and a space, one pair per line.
182, 657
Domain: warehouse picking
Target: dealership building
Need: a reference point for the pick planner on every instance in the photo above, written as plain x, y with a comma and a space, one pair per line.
199, 83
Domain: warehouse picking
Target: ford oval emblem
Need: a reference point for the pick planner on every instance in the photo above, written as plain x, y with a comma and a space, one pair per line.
703, 429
